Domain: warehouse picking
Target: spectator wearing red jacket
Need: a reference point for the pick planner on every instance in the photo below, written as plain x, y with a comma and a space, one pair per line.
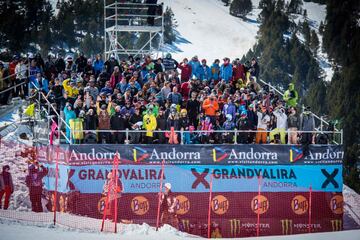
185, 90
238, 70
186, 70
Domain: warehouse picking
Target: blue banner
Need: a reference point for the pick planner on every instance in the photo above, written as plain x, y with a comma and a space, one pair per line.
196, 178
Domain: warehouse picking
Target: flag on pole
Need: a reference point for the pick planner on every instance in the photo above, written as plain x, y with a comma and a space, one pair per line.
53, 132
30, 110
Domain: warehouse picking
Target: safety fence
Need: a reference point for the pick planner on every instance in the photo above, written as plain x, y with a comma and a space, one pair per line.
216, 190
275, 136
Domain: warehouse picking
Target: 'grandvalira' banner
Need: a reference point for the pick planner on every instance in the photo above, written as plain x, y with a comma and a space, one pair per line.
200, 154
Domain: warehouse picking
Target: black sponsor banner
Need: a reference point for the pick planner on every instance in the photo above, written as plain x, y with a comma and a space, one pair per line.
201, 154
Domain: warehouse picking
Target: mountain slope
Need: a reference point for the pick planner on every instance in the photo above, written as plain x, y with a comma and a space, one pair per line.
207, 29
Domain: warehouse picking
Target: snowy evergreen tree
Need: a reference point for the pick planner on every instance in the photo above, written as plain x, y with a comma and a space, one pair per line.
169, 33
314, 42
240, 8
295, 6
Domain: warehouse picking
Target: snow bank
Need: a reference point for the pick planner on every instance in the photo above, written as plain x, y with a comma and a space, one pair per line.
10, 155
352, 204
20, 230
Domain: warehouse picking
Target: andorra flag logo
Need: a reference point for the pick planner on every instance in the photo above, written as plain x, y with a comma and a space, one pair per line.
295, 154
139, 154
218, 154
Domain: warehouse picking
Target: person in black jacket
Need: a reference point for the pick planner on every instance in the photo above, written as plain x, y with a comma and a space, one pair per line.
135, 124
193, 106
161, 125
254, 69
90, 123
34, 182
60, 64
118, 122
252, 120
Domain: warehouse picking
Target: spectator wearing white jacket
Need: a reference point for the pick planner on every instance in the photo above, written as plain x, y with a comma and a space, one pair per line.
281, 125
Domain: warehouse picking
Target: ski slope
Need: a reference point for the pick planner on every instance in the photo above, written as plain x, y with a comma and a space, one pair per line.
206, 29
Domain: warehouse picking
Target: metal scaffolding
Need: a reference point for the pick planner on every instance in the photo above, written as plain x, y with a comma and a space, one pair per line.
132, 28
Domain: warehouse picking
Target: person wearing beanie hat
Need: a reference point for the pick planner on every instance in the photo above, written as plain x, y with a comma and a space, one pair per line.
168, 207
6, 186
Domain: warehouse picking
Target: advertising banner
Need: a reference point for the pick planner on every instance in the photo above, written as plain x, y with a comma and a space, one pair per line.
196, 178
235, 214
201, 154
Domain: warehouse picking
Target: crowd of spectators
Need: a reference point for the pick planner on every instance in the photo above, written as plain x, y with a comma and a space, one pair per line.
160, 94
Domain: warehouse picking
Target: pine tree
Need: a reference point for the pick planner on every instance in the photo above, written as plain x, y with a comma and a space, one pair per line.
306, 32
305, 13
321, 28
226, 2
295, 6
169, 33
240, 8
314, 42
341, 40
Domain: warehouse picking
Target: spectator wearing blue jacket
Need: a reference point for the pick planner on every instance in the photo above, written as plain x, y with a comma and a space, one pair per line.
174, 97
203, 72
229, 108
39, 83
122, 85
194, 63
226, 70
149, 75
69, 114
107, 89
33, 71
215, 70
98, 65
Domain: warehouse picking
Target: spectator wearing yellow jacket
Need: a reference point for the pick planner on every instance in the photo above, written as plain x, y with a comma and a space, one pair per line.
150, 124
70, 88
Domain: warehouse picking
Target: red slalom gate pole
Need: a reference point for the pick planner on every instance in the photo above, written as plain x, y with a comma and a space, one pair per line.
310, 203
258, 213
56, 181
159, 195
116, 162
209, 209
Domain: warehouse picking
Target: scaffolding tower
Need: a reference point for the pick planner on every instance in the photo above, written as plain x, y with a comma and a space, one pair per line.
132, 28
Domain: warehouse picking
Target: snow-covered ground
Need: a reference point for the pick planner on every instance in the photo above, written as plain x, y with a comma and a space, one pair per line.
11, 230
206, 29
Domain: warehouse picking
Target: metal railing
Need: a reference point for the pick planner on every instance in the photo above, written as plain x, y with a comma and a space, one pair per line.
42, 96
17, 85
321, 119
235, 133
